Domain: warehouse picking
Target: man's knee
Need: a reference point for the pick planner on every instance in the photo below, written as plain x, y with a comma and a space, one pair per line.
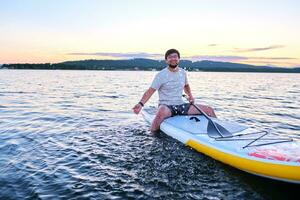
209, 108
205, 107
163, 111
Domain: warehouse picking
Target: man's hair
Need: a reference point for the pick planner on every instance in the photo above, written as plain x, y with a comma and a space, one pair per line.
170, 51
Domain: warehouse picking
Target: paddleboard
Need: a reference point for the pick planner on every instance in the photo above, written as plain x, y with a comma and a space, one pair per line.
253, 151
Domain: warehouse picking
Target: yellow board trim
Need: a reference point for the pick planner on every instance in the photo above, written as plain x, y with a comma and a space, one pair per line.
278, 171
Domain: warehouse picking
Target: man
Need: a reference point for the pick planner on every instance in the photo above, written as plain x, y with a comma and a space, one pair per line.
170, 82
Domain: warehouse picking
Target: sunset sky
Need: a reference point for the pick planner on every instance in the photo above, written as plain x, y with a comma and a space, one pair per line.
247, 31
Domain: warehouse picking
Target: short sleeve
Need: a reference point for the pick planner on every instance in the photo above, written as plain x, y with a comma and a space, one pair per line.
156, 83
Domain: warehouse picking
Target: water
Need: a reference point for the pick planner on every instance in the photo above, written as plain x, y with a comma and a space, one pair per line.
72, 135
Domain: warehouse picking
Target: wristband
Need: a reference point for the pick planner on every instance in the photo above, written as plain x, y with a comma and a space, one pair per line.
141, 104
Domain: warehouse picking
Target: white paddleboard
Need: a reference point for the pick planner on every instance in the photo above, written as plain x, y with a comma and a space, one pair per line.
250, 150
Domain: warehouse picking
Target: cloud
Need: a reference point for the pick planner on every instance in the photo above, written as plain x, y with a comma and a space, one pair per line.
272, 58
221, 58
272, 63
121, 55
283, 61
159, 56
259, 48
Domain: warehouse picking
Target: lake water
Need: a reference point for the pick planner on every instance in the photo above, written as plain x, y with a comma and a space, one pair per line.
72, 135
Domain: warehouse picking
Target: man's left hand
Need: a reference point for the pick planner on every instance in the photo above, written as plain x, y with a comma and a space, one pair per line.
191, 99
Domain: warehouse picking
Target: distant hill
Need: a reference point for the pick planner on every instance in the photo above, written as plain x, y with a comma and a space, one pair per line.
149, 64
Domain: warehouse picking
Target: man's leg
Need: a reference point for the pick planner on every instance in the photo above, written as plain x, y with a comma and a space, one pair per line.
207, 109
162, 113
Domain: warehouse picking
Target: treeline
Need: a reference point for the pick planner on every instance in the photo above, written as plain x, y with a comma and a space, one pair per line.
149, 64
41, 66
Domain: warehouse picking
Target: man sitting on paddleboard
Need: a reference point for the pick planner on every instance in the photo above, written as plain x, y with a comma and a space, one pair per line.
170, 82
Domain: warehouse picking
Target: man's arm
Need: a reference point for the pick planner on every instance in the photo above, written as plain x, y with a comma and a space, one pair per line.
187, 90
146, 96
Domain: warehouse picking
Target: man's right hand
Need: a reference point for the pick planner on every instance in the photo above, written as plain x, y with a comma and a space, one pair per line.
137, 108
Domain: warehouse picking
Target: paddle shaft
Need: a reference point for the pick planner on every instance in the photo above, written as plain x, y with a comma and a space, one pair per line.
205, 115
199, 109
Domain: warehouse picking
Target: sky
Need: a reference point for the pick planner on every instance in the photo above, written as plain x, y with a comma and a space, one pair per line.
246, 31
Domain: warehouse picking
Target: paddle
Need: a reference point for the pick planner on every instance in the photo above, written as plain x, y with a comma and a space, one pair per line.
214, 129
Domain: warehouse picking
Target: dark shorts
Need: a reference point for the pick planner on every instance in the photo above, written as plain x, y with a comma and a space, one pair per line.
181, 109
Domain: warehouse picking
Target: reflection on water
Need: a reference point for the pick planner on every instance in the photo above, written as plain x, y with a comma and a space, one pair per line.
70, 134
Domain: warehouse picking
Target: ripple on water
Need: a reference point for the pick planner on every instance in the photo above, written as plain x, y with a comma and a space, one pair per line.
66, 135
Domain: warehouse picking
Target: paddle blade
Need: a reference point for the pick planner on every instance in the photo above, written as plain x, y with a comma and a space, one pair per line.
212, 131
215, 130
223, 131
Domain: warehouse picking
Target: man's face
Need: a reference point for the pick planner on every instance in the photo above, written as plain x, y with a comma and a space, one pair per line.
172, 60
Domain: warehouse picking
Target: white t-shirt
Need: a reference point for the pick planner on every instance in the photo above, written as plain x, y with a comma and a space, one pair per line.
170, 86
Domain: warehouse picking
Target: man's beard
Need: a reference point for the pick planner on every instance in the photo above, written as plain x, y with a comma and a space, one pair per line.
173, 66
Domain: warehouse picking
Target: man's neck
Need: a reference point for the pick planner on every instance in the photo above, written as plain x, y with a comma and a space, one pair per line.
173, 69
